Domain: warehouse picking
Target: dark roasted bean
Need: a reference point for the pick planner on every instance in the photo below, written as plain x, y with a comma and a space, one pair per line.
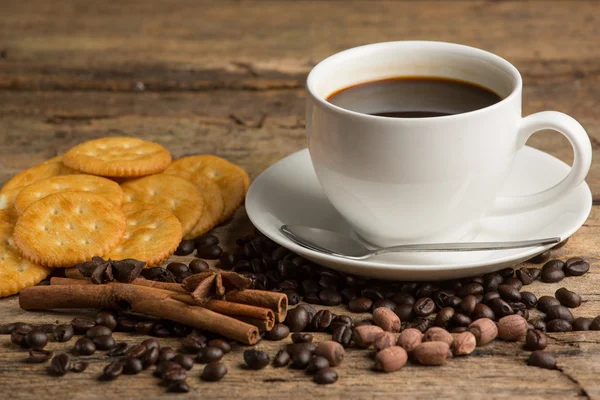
106, 318
132, 366
559, 312
295, 347
568, 298
178, 387
281, 359
387, 303
540, 325
300, 337
326, 376
372, 293
173, 373
112, 370
467, 305
444, 316
576, 266
79, 366
301, 359
209, 354
197, 265
405, 312
158, 274
118, 350
425, 290
209, 252
321, 320
420, 323
595, 325
528, 299
545, 302
297, 319
360, 305
38, 356
256, 359
150, 357
340, 320
552, 275
82, 324
343, 335
279, 332
105, 342
492, 281
37, 339
166, 354
186, 361
582, 324
471, 288
98, 330
310, 286
330, 297
553, 264
558, 325
501, 308
206, 240
541, 258
403, 298
136, 351
214, 372
312, 298
125, 325
514, 282
461, 319
19, 338
177, 268
85, 347
458, 329
220, 343
506, 272
144, 327
424, 307
63, 333
453, 301
542, 359
535, 340
525, 276
316, 364
482, 311
186, 247
60, 364
489, 296
192, 344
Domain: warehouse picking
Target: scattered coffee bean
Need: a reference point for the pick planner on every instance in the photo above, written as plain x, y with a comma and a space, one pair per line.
144, 327
164, 366
107, 318
279, 332
79, 366
98, 330
595, 325
197, 265
213, 372
209, 354
301, 337
125, 325
482, 311
541, 258
509, 293
500, 307
192, 344
105, 342
166, 354
19, 338
186, 247
38, 356
464, 343
63, 333
424, 307
409, 338
421, 324
514, 282
332, 351
132, 366
112, 371
178, 387
297, 319
444, 316
539, 324
150, 357
552, 274
431, 353
281, 359
525, 276
467, 305
82, 324
343, 335
330, 297
403, 298
186, 361
542, 359
529, 299
582, 324
535, 340
360, 305
576, 266
512, 327
300, 359
36, 339
321, 320
256, 359
568, 298
60, 364
221, 344
158, 274
386, 319
206, 240
326, 376
316, 364
545, 302
489, 296
384, 340
459, 319
365, 335
437, 334
85, 347
209, 252
405, 312
559, 312
559, 325
484, 330
387, 303
174, 374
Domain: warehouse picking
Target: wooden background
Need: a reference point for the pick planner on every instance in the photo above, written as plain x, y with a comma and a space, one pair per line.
227, 78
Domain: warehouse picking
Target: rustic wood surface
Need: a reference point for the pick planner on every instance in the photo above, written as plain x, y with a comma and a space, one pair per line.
227, 78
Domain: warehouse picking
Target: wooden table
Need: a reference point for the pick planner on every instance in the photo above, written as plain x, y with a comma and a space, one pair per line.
227, 78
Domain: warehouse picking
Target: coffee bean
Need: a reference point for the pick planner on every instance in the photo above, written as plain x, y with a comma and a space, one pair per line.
206, 240
365, 335
36, 339
279, 332
105, 342
150, 357
535, 340
471, 288
112, 370
372, 293
444, 316
321, 320
360, 305
340, 320
330, 297
209, 354
213, 372
582, 324
98, 330
342, 335
178, 387
300, 337
541, 258
79, 366
281, 359
209, 252
136, 351
539, 324
38, 356
256, 359
514, 282
297, 319
178, 269
568, 298
489, 296
19, 338
500, 308
403, 298
405, 312
316, 364
509, 293
300, 359
529, 299
482, 311
421, 323
60, 364
197, 265
186, 247
484, 330
85, 347
158, 274
576, 266
545, 302
506, 272
82, 324
166, 354
542, 359
107, 318
192, 344
174, 374
552, 275
525, 276
461, 319
46, 328
387, 303
333, 351
164, 366
464, 344
186, 361
437, 334
432, 353
220, 343
63, 333
558, 325
559, 312
467, 305
125, 325
424, 307
144, 327
595, 325
132, 366
326, 376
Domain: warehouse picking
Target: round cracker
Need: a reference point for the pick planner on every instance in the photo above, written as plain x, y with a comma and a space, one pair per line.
8, 216
8, 197
47, 169
181, 197
118, 157
16, 272
68, 183
245, 177
213, 201
226, 175
152, 234
68, 228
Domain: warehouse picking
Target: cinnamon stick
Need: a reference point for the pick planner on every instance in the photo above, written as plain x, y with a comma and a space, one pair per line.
143, 300
261, 317
175, 287
277, 302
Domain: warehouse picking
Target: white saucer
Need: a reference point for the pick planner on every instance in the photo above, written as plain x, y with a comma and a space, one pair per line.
288, 192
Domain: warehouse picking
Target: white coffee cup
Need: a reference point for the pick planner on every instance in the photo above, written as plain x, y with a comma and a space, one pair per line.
399, 180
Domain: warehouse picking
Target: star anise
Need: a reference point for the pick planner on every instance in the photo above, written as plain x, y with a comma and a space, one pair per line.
210, 284
104, 271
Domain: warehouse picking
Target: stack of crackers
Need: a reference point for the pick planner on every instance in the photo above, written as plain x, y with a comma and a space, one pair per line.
115, 198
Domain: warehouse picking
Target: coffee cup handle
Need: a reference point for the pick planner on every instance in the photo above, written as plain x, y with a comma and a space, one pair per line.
582, 160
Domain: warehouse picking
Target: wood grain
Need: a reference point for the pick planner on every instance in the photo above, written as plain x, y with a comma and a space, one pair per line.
227, 78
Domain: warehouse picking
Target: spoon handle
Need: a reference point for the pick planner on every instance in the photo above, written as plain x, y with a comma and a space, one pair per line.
467, 246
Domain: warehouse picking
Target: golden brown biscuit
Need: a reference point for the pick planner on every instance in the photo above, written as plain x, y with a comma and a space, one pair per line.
67, 228
152, 234
118, 157
47, 169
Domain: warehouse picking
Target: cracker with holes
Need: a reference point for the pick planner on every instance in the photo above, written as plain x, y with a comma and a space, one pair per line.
67, 228
152, 234
226, 175
178, 195
118, 157
48, 169
68, 183
16, 272
7, 199
213, 201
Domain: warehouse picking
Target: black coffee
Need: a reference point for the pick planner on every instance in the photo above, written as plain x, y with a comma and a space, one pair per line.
414, 97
